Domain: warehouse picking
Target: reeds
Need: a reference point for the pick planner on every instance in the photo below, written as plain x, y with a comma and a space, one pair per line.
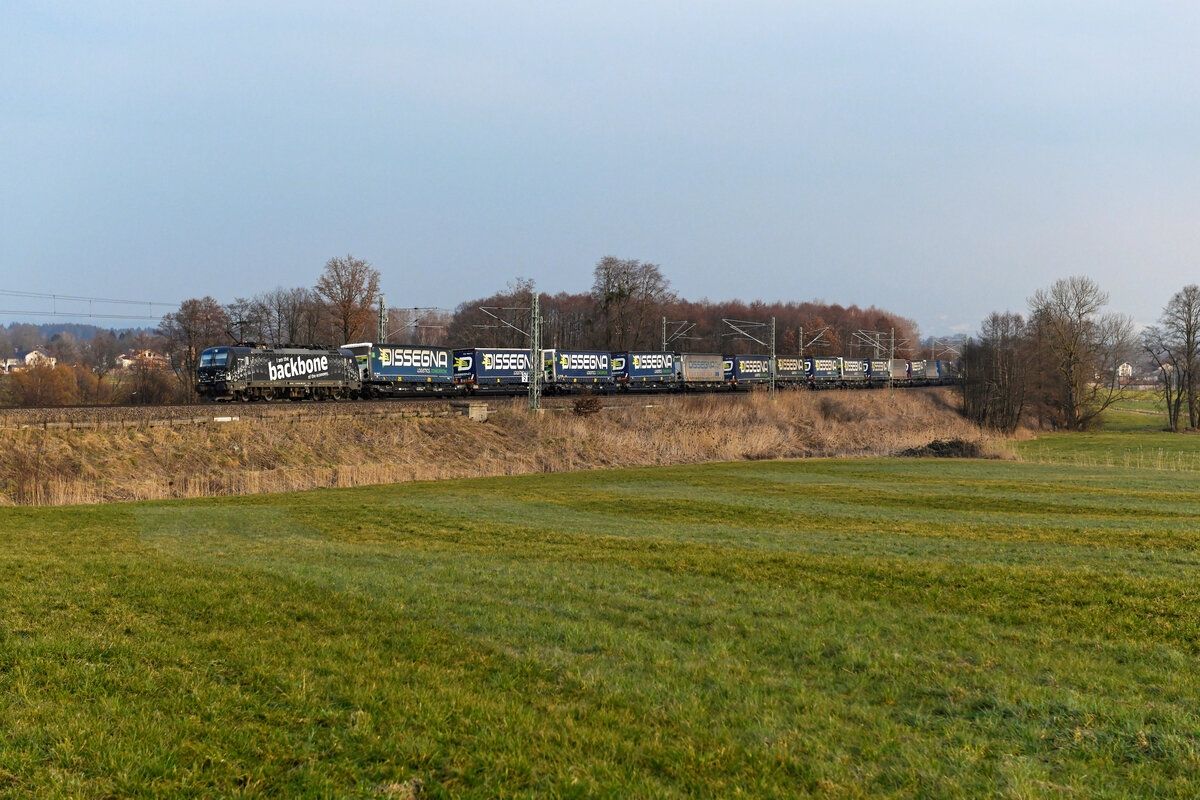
54, 467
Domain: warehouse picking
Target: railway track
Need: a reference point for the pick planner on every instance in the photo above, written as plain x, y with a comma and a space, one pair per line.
126, 416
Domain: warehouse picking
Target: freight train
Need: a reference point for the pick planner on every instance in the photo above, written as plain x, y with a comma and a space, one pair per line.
372, 370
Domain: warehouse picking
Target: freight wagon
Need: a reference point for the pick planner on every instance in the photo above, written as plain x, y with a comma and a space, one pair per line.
789, 371
643, 370
854, 372
745, 371
700, 371
491, 368
901, 370
387, 370
572, 370
877, 371
822, 373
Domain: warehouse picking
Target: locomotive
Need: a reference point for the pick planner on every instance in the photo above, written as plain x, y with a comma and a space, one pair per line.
255, 372
373, 370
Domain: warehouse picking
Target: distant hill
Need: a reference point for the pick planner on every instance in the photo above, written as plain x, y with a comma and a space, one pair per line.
81, 332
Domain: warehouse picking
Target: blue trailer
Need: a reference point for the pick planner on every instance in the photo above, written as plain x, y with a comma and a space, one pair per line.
789, 370
854, 372
822, 373
941, 372
747, 370
878, 371
631, 370
492, 368
572, 370
387, 369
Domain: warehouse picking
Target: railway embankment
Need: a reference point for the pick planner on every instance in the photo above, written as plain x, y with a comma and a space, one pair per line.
69, 461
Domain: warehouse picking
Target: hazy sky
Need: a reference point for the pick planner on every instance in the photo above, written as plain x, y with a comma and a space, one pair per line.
940, 160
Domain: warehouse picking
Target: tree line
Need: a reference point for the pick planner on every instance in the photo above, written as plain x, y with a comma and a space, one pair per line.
1060, 367
629, 299
624, 309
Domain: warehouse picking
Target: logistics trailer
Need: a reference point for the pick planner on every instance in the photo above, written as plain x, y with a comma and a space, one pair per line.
901, 370
745, 371
854, 372
877, 371
700, 370
293, 373
940, 372
573, 370
633, 370
789, 371
822, 373
387, 369
948, 371
916, 371
492, 369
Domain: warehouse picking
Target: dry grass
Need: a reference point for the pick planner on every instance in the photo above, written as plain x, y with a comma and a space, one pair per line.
55, 467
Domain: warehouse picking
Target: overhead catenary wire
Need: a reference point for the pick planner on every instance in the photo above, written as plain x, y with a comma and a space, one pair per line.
49, 296
88, 313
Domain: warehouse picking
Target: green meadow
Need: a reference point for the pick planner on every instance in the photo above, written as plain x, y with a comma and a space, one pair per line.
1132, 434
841, 628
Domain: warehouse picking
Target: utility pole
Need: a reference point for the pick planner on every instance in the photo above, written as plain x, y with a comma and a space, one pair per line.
681, 332
891, 358
383, 321
535, 355
534, 333
740, 326
772, 357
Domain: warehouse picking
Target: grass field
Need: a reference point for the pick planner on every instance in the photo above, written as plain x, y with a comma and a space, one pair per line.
865, 628
1132, 434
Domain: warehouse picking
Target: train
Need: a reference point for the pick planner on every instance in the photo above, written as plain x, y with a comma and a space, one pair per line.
370, 370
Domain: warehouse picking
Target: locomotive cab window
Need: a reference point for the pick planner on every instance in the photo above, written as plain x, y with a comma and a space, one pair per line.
216, 357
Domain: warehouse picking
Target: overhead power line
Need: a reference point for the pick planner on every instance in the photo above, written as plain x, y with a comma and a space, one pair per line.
46, 296
70, 300
73, 315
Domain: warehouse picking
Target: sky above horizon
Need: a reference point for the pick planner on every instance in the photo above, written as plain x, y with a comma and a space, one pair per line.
940, 160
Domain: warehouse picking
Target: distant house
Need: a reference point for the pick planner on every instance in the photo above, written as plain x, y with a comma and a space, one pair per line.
143, 359
1125, 370
29, 358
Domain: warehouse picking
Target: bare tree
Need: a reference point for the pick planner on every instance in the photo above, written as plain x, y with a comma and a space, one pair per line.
350, 286
285, 310
198, 324
64, 347
1174, 347
1083, 346
995, 382
505, 323
1181, 322
629, 293
1165, 353
103, 352
245, 320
